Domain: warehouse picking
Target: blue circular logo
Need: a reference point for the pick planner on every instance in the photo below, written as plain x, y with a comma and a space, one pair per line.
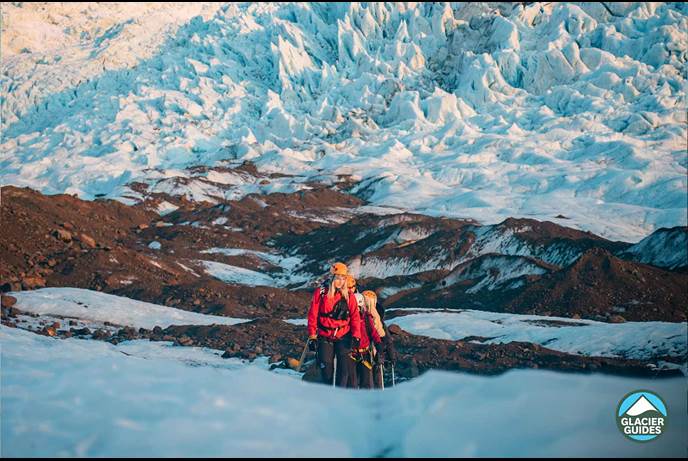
641, 416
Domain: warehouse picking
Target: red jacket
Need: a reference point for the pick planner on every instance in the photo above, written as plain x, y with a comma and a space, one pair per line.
320, 324
368, 331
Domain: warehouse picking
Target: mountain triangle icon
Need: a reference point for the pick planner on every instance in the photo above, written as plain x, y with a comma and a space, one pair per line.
640, 406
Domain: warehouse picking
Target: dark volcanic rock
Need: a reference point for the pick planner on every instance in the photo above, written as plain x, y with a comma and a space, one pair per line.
100, 334
263, 336
48, 331
127, 333
80, 331
87, 240
423, 353
416, 354
185, 341
32, 282
60, 241
601, 286
8, 301
63, 235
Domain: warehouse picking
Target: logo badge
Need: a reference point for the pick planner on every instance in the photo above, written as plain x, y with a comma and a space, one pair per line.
641, 416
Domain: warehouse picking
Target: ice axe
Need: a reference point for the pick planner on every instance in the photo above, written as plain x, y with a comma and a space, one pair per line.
303, 355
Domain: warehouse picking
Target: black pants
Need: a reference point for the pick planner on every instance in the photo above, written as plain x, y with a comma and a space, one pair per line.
327, 351
364, 376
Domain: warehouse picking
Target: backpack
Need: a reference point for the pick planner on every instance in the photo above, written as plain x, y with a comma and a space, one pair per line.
361, 301
340, 311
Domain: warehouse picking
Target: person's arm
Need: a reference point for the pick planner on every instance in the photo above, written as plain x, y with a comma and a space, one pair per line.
374, 334
390, 351
377, 323
313, 315
354, 317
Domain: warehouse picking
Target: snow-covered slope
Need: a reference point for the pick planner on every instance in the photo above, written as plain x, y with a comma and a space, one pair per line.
474, 110
102, 307
638, 340
666, 248
492, 271
508, 240
635, 340
83, 398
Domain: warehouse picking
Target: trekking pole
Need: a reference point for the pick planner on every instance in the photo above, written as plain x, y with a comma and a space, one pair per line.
382, 376
334, 375
303, 355
393, 380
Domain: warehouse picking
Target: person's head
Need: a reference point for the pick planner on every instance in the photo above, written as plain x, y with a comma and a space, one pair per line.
370, 300
351, 282
338, 271
339, 282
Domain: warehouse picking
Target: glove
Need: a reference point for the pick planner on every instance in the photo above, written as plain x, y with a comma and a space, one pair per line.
358, 354
313, 344
355, 343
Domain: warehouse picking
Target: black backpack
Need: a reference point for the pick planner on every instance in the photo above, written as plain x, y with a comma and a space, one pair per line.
340, 311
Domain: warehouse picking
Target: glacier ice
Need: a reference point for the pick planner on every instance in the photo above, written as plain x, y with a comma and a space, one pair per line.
468, 110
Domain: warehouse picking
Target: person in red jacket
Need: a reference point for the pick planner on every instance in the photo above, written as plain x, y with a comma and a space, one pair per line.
370, 341
386, 353
334, 327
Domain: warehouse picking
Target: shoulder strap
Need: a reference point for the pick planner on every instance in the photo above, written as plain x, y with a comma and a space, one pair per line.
323, 288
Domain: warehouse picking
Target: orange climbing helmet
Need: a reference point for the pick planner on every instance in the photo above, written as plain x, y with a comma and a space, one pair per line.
350, 282
339, 269
370, 294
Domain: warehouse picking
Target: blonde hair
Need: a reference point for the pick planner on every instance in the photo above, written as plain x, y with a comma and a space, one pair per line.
331, 290
371, 306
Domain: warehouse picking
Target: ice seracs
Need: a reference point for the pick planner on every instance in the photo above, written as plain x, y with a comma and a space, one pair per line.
483, 111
